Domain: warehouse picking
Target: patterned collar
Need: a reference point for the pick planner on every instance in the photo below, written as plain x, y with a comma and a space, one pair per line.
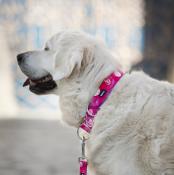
97, 100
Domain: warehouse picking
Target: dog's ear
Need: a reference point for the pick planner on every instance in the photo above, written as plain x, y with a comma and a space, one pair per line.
66, 62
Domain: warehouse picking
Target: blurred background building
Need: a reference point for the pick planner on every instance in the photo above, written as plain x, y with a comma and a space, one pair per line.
158, 50
138, 32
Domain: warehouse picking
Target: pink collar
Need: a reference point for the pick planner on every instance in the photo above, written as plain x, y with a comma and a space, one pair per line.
97, 100
94, 106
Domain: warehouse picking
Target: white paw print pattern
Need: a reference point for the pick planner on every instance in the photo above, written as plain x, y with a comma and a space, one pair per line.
90, 112
117, 74
108, 81
90, 123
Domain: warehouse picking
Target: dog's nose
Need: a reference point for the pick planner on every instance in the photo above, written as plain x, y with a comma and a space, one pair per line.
20, 58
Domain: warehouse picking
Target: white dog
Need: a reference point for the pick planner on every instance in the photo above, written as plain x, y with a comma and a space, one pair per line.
133, 133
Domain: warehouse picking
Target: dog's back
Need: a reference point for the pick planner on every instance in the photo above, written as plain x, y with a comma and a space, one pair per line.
134, 131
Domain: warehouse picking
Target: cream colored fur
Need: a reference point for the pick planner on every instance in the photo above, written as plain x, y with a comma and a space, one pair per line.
133, 132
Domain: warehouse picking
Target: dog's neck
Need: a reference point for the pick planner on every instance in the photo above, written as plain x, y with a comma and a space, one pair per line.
75, 93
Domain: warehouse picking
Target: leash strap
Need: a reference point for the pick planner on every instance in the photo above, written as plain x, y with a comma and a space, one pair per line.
94, 106
83, 166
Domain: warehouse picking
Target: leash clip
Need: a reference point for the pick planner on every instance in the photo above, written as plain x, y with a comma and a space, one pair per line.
83, 160
83, 136
83, 148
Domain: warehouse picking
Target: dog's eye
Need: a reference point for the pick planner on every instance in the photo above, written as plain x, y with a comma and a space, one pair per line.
46, 49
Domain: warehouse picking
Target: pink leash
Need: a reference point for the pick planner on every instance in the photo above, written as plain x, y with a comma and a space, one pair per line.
94, 106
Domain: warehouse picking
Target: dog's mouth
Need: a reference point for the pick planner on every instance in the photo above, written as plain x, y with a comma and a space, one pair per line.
41, 85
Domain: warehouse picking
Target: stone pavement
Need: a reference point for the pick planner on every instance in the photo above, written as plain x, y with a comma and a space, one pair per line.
37, 147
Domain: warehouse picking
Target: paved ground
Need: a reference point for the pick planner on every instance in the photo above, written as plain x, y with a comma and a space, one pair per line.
34, 147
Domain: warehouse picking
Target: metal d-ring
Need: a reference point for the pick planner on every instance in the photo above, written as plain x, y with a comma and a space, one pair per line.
82, 137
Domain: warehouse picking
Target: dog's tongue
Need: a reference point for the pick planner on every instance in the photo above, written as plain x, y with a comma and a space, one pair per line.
27, 82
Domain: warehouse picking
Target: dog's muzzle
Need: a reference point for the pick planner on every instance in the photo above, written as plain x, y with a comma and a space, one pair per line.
40, 85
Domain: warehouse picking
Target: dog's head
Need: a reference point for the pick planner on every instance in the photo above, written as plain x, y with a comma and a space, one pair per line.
62, 54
